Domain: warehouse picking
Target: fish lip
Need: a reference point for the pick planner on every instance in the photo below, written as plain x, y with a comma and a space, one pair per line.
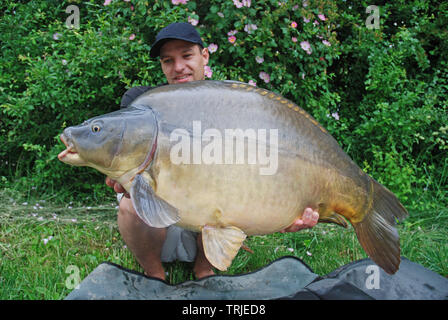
69, 150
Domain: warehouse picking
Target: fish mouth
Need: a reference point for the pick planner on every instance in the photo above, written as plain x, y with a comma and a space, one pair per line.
69, 154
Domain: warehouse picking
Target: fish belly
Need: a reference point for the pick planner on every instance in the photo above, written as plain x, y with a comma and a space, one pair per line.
237, 195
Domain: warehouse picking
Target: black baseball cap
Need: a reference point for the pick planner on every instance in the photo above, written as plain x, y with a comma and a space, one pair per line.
180, 31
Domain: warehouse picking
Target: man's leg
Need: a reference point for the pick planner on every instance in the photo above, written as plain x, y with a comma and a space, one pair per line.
202, 267
145, 242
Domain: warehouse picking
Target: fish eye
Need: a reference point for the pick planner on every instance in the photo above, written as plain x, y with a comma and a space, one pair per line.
96, 128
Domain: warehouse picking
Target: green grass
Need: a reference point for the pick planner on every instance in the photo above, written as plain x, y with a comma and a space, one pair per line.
85, 236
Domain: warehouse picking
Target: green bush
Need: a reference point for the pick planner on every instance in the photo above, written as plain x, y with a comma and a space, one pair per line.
381, 93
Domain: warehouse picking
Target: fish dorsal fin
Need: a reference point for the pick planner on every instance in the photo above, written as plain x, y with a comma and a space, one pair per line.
335, 218
153, 210
221, 244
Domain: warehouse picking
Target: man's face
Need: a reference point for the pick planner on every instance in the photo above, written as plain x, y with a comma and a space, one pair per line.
183, 61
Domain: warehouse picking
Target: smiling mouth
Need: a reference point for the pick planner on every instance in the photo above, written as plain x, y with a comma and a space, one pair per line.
182, 78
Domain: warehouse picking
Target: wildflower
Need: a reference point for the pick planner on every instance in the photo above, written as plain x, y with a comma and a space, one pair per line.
193, 21
232, 32
294, 24
250, 27
326, 42
238, 3
74, 220
107, 2
132, 37
309, 253
294, 39
246, 3
303, 75
208, 72
253, 83
305, 45
64, 62
220, 14
232, 39
259, 59
290, 249
265, 77
322, 17
212, 47
56, 36
335, 115
315, 23
306, 20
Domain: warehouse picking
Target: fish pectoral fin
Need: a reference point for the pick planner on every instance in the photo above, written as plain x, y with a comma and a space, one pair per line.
335, 218
221, 244
153, 210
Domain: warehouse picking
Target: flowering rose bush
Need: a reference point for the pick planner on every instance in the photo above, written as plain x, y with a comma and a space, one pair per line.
379, 92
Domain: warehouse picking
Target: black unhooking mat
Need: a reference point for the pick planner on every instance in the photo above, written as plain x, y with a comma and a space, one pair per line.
285, 278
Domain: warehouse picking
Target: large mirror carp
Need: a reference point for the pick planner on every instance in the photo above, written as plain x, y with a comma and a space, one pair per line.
232, 160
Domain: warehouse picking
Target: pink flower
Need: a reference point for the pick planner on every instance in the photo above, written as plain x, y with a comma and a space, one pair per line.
294, 39
250, 27
177, 2
107, 2
322, 17
132, 37
253, 83
259, 59
316, 23
246, 3
327, 43
56, 36
192, 21
208, 72
238, 3
305, 45
264, 76
232, 39
294, 24
212, 48
232, 33
306, 20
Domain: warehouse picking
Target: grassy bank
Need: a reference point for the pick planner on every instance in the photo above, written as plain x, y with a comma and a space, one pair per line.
39, 240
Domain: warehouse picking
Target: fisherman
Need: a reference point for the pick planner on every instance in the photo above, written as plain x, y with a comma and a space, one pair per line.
183, 58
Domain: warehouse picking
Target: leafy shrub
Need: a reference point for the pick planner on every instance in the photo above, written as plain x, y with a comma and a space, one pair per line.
381, 92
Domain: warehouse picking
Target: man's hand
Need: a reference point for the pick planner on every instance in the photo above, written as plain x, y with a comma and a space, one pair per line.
118, 188
308, 220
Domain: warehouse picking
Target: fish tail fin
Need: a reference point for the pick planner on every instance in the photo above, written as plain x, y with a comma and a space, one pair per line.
376, 232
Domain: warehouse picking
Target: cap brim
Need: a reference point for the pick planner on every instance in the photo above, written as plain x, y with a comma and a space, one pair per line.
155, 49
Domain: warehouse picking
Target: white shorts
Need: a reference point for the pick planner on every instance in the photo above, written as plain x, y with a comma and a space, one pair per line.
180, 244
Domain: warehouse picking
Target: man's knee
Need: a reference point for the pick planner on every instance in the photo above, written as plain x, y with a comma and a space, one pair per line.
126, 209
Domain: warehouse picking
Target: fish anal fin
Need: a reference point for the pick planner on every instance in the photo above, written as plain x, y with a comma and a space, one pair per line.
153, 210
221, 244
334, 218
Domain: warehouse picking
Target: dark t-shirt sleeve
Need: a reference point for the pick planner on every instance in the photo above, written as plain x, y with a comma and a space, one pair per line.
132, 94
